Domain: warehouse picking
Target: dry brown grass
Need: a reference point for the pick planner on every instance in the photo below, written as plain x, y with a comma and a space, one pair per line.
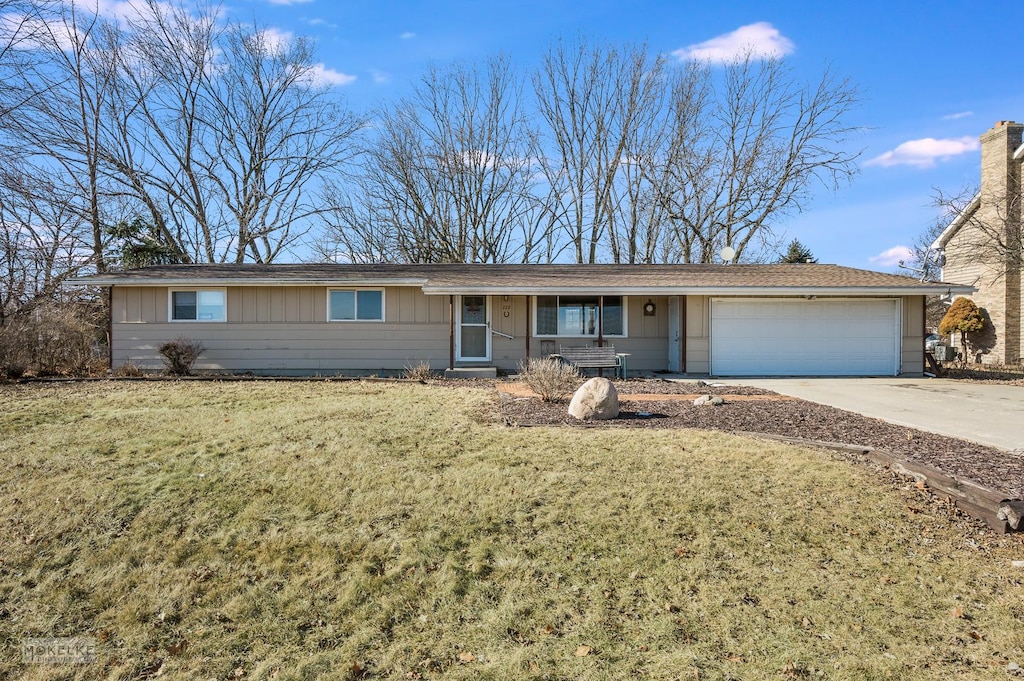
346, 530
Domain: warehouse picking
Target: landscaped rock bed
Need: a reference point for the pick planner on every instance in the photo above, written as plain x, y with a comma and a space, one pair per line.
783, 416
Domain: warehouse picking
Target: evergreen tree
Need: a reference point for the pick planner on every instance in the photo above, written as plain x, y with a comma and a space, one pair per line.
138, 244
797, 253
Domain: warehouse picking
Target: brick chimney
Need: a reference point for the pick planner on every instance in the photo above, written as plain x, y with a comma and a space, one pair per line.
1000, 208
999, 173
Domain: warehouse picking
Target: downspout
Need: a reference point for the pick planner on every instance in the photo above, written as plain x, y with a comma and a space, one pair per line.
451, 331
600, 321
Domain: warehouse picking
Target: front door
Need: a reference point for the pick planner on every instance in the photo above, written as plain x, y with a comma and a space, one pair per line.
474, 334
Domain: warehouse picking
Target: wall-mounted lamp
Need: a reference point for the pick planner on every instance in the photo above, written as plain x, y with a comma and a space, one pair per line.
650, 308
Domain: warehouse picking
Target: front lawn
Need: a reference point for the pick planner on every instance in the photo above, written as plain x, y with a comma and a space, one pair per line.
370, 530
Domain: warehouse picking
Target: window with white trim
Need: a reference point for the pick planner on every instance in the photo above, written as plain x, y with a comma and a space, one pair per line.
355, 305
198, 305
577, 316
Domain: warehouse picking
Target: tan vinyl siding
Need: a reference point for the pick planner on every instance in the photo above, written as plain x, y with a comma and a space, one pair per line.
307, 348
139, 305
698, 336
912, 346
285, 329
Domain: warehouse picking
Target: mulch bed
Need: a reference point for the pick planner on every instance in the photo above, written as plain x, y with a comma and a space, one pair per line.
988, 466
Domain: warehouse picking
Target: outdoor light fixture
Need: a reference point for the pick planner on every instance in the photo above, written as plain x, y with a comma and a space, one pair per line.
649, 308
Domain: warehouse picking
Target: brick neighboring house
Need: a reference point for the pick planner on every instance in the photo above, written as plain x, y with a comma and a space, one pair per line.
982, 244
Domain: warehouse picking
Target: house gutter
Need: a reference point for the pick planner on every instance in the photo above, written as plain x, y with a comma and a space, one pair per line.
239, 281
476, 289
922, 290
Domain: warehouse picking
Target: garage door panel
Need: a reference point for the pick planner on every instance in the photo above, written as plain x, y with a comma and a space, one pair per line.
804, 337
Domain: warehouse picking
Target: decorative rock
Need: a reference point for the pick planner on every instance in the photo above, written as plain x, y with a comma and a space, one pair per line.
596, 399
711, 400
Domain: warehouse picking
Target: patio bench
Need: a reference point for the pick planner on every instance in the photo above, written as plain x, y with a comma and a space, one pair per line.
586, 357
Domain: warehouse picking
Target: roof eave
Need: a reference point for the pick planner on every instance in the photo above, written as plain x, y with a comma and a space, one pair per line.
923, 290
99, 280
959, 221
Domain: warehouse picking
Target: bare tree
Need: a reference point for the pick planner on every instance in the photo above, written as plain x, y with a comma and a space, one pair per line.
601, 107
448, 177
57, 127
22, 28
991, 229
748, 144
44, 239
222, 132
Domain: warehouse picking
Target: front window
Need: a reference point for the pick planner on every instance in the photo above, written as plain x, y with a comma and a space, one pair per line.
350, 305
579, 315
198, 305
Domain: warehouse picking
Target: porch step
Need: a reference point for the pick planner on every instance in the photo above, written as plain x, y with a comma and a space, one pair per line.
471, 372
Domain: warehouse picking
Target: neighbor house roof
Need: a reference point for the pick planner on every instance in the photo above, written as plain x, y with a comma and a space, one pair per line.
443, 279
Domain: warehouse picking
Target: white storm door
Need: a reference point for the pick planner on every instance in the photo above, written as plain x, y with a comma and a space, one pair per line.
474, 332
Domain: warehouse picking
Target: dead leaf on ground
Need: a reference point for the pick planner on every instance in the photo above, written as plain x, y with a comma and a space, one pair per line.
177, 648
957, 612
807, 624
922, 485
466, 657
583, 651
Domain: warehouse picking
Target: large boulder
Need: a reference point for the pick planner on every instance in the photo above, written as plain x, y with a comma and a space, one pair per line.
596, 399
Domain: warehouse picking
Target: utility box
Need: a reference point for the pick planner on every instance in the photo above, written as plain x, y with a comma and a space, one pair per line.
945, 353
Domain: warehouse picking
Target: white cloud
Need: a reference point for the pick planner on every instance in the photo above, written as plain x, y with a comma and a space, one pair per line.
277, 40
407, 35
892, 256
329, 77
758, 40
317, 21
924, 153
957, 116
380, 76
288, 2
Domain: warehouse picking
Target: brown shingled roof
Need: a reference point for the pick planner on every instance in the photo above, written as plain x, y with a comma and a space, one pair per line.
461, 278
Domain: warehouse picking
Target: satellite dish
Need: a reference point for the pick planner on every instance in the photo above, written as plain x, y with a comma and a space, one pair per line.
728, 253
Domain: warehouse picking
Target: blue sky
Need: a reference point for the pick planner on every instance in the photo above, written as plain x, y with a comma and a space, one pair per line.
933, 77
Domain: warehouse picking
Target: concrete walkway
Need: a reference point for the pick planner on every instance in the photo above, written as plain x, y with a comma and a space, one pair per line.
985, 413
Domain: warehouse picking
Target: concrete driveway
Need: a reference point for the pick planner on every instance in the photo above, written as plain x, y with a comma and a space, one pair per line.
989, 414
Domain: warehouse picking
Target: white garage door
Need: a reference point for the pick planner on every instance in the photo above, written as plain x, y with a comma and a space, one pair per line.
798, 337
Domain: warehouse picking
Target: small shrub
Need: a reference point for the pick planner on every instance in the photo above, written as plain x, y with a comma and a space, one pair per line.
51, 340
550, 378
418, 372
180, 355
129, 370
15, 348
966, 318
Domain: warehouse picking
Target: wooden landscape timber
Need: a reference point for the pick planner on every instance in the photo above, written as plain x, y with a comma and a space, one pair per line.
999, 513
